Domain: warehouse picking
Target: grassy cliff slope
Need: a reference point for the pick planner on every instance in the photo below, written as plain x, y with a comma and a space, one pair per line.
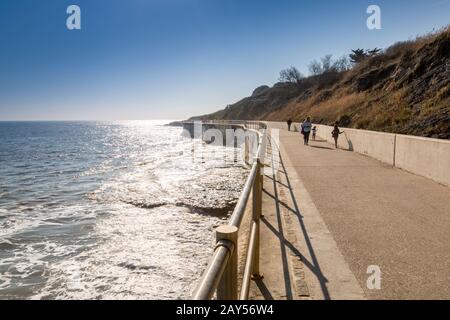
405, 89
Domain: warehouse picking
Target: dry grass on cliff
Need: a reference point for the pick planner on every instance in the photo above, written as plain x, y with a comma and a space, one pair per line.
384, 107
336, 106
403, 89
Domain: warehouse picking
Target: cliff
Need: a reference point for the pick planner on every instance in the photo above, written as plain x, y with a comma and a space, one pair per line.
404, 89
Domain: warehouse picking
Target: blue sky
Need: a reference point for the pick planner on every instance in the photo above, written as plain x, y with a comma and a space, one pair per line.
171, 59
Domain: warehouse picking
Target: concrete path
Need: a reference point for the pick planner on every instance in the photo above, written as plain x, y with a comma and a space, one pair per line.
281, 266
330, 214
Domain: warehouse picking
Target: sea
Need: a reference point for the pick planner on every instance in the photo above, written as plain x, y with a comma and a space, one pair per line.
109, 210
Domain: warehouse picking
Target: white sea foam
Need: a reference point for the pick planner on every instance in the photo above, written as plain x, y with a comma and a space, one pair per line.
111, 211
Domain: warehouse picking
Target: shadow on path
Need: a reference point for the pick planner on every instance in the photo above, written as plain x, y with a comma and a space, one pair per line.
280, 234
319, 147
313, 265
263, 289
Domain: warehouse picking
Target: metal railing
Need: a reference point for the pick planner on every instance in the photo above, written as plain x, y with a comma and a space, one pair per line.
221, 275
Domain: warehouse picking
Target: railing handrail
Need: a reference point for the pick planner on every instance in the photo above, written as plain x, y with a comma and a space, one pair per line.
221, 261
239, 209
211, 278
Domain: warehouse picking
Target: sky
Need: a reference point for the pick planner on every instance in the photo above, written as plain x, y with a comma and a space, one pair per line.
172, 59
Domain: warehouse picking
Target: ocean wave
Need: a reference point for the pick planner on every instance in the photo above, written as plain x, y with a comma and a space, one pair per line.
147, 205
136, 219
213, 192
6, 244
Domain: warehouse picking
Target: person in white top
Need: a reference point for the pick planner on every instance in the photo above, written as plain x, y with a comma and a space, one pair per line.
306, 130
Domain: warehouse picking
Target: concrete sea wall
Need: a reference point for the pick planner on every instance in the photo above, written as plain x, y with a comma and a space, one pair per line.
377, 145
426, 157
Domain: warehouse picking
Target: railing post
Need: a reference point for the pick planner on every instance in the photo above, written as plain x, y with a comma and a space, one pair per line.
257, 210
246, 149
227, 288
262, 156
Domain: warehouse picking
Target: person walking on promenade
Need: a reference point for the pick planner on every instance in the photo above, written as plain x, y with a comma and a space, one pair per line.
289, 123
314, 131
335, 133
306, 130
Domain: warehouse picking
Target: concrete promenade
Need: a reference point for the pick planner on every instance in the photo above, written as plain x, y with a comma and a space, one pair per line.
330, 214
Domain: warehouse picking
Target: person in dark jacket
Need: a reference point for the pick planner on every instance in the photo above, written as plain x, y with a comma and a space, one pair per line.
314, 132
335, 133
289, 123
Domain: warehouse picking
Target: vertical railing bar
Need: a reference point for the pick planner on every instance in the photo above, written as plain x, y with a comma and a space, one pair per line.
245, 289
257, 210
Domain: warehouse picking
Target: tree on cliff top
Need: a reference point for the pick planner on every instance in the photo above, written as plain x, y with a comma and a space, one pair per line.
291, 75
327, 64
359, 55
